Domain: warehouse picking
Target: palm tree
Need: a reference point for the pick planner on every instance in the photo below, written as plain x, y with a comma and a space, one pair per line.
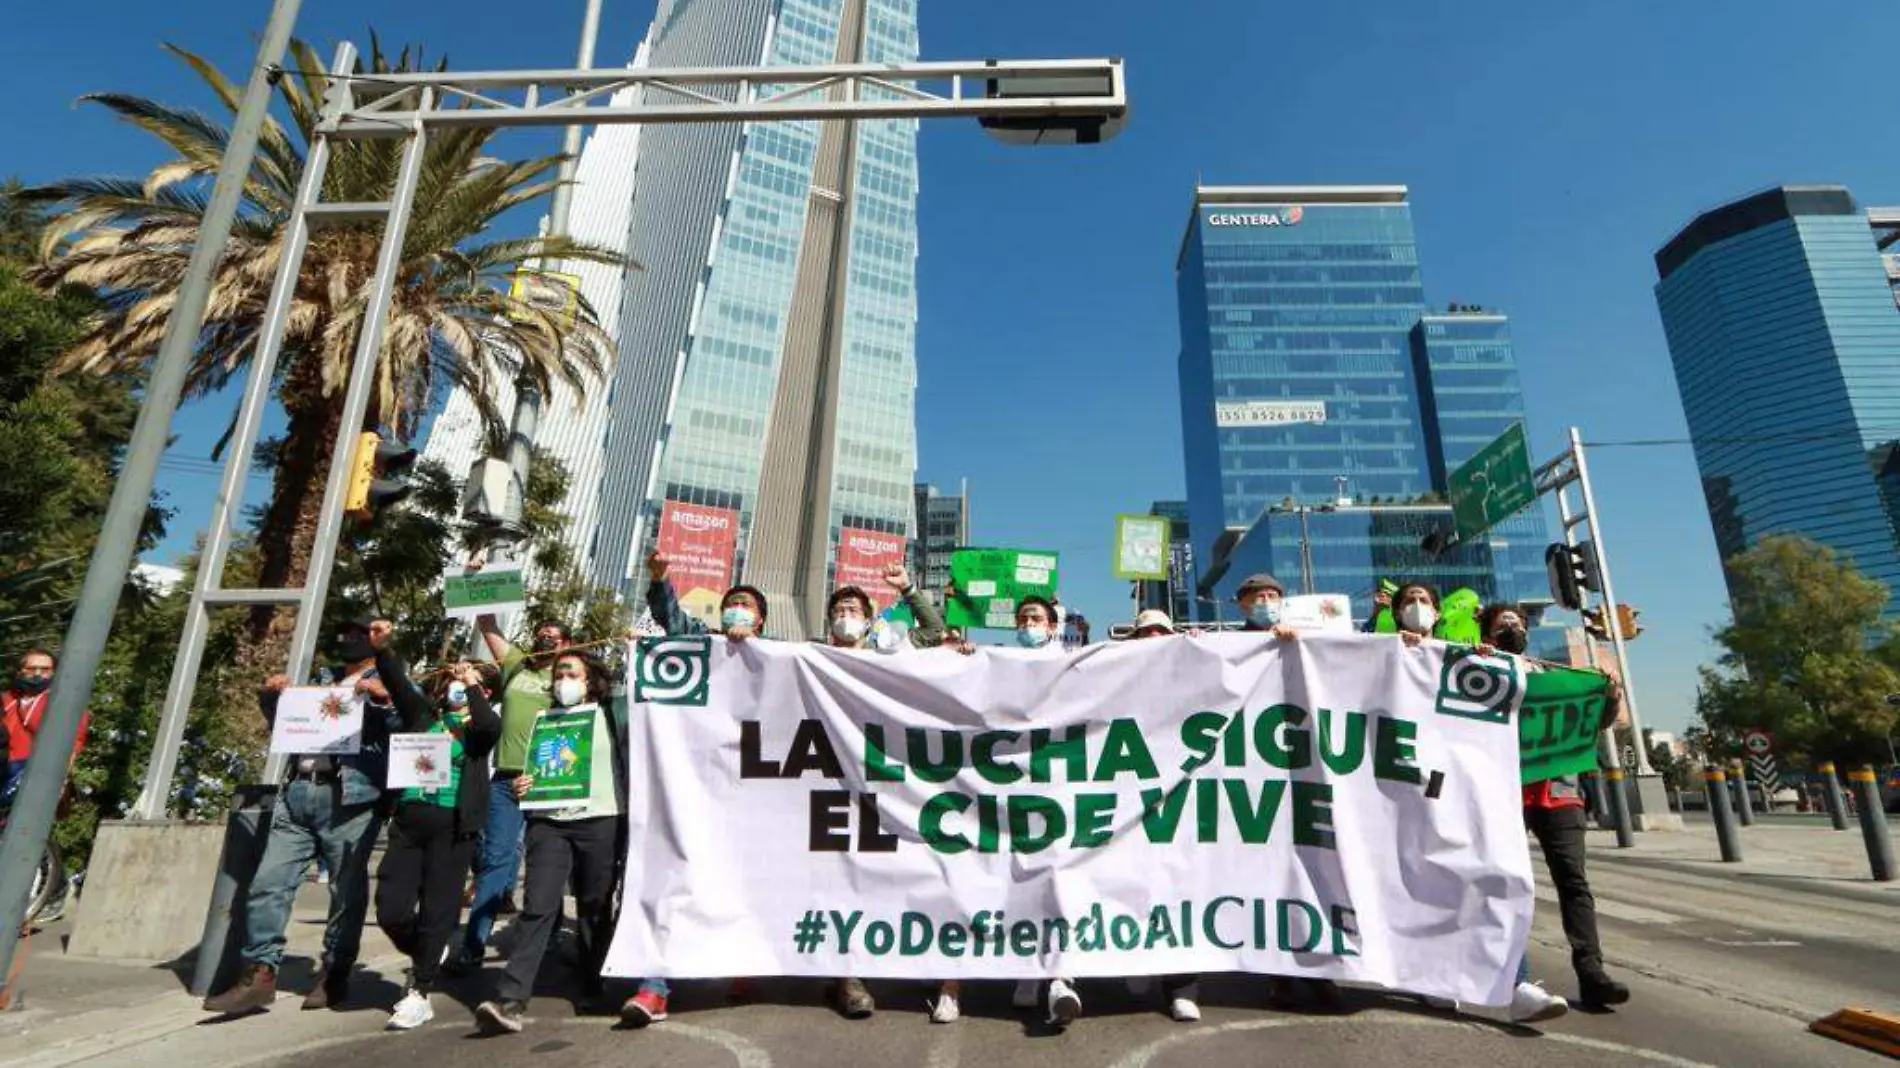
451, 323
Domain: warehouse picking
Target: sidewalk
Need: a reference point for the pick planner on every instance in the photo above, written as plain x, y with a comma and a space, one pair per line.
70, 1009
1784, 849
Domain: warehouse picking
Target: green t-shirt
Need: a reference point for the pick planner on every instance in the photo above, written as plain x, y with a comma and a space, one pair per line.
525, 691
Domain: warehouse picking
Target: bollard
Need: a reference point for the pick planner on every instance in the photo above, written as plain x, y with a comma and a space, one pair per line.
1727, 835
1599, 801
1744, 806
216, 963
1619, 808
1836, 804
1873, 824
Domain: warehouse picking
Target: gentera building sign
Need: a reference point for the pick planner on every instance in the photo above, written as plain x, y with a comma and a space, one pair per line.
1287, 216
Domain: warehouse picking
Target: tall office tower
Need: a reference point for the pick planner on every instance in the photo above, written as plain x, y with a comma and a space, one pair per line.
943, 526
763, 409
1322, 408
1784, 335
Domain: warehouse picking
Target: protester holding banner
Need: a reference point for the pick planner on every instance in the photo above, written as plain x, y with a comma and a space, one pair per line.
328, 807
574, 791
1415, 608
1554, 812
1259, 598
432, 835
525, 687
851, 614
742, 610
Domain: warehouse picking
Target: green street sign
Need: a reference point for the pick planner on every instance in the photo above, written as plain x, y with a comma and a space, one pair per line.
992, 582
478, 593
1492, 486
1141, 547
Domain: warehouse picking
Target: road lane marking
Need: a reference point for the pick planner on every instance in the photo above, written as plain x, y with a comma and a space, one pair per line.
1750, 945
749, 1054
1618, 910
1140, 1057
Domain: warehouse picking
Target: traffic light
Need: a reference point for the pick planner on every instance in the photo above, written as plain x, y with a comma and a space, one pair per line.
1564, 564
378, 475
1593, 624
1626, 624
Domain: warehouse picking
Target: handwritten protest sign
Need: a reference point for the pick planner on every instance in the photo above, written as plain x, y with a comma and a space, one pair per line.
320, 720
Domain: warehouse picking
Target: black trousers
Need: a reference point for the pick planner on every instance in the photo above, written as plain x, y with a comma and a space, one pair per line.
1560, 832
419, 884
578, 856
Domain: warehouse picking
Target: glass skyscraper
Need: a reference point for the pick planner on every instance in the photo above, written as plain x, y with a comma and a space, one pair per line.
1786, 343
1322, 407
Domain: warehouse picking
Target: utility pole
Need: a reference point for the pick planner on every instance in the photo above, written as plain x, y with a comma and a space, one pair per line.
33, 806
527, 418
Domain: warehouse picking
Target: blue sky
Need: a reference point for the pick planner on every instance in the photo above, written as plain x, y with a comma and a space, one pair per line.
1549, 149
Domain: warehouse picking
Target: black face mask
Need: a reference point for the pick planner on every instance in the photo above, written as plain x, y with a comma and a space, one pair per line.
1512, 640
32, 683
355, 649
546, 643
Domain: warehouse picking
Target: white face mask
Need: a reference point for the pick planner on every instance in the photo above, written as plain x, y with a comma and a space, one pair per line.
1418, 617
569, 692
848, 628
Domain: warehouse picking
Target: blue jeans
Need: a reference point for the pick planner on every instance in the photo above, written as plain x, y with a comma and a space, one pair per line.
1524, 968
497, 861
305, 823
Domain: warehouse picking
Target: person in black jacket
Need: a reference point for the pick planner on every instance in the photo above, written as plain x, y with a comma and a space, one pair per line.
432, 838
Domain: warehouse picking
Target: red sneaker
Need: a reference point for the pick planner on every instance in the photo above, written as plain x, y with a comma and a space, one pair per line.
643, 1008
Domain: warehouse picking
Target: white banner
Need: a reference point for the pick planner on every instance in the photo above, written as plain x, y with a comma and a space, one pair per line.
1268, 413
312, 720
1339, 806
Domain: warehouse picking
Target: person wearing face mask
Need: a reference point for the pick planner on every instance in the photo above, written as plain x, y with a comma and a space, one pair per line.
1260, 598
1554, 813
741, 610
1415, 608
526, 688
329, 806
22, 710
574, 850
432, 835
1038, 627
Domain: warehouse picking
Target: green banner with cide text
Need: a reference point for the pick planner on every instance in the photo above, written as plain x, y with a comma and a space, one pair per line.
1557, 726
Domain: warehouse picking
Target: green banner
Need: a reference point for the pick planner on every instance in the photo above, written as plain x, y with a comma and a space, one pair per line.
561, 759
1559, 722
992, 582
482, 592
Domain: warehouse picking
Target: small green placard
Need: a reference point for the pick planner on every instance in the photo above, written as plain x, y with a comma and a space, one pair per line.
482, 592
561, 759
1141, 547
1493, 485
992, 582
1559, 721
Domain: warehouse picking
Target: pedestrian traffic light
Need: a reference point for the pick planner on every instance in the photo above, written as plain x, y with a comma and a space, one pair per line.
378, 475
1566, 568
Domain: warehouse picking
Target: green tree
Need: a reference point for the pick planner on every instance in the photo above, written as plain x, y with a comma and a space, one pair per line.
452, 322
1805, 656
21, 221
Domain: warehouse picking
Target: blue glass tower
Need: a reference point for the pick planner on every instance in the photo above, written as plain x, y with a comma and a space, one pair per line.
1296, 307
1786, 344
763, 407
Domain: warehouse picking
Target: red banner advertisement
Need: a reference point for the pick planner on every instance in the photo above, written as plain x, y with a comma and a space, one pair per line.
699, 544
862, 557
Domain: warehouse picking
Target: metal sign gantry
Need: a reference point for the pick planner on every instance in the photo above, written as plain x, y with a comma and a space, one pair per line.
1080, 99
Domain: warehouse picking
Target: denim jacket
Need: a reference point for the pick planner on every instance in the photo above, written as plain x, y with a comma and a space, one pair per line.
360, 775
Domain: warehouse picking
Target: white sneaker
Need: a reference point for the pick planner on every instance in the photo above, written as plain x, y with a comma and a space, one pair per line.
946, 1010
411, 1012
1025, 995
1531, 1003
1064, 1003
1184, 1010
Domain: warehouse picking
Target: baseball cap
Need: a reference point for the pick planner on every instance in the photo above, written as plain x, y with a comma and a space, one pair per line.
1262, 581
1153, 617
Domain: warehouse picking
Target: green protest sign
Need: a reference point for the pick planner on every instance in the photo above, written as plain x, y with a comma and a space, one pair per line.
561, 759
1141, 547
1558, 724
992, 582
478, 593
